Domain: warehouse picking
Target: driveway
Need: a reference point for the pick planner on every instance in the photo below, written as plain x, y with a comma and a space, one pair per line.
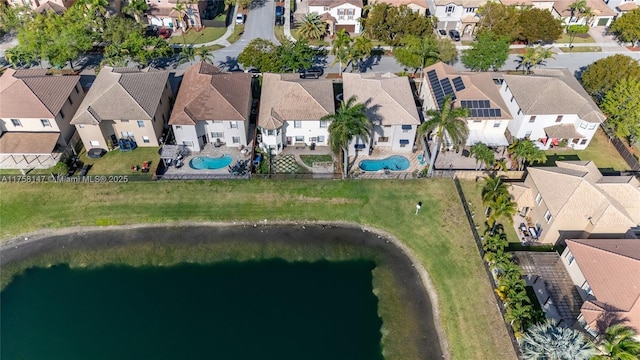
260, 23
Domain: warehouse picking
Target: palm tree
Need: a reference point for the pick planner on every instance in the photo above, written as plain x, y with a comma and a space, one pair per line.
497, 259
619, 343
533, 57
348, 121
181, 9
549, 342
483, 155
136, 8
495, 242
516, 313
204, 54
360, 50
525, 152
187, 54
493, 187
501, 207
311, 27
448, 120
340, 48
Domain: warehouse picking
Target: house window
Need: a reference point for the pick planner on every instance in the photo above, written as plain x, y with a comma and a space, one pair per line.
477, 120
81, 126
16, 122
512, 99
321, 139
234, 124
587, 288
559, 118
61, 114
45, 123
217, 135
236, 139
94, 143
326, 8
469, 10
140, 123
383, 139
217, 121
496, 124
583, 141
145, 139
532, 119
154, 119
178, 127
269, 132
583, 124
547, 216
406, 128
519, 111
187, 143
77, 91
323, 124
297, 124
404, 143
450, 8
527, 134
70, 102
299, 138
570, 258
592, 126
538, 198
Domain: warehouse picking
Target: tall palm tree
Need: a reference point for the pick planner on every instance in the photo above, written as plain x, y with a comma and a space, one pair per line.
549, 342
525, 153
517, 313
311, 27
187, 54
204, 54
181, 9
135, 8
360, 50
482, 153
618, 343
495, 242
449, 121
497, 259
501, 207
340, 48
493, 187
533, 57
349, 121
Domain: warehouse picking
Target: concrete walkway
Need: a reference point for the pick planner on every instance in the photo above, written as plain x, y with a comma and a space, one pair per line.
223, 39
287, 21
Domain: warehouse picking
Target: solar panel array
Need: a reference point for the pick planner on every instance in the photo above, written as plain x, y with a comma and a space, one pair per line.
440, 88
481, 108
458, 83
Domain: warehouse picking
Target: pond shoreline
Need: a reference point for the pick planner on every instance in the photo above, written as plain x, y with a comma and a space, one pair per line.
418, 292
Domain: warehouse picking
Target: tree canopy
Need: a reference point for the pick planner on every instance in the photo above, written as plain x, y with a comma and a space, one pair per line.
390, 24
539, 25
487, 52
602, 75
529, 24
268, 57
499, 19
627, 27
622, 105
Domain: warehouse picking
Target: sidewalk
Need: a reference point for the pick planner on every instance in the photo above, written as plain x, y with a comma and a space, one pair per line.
221, 40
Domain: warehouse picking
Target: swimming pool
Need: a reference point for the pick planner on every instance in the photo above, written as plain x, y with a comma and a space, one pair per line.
209, 163
393, 163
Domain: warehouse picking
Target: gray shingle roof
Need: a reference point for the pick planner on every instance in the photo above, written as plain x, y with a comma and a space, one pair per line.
128, 95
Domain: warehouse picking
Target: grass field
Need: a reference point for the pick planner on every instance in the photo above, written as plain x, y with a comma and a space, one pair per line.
238, 30
600, 151
581, 49
199, 37
439, 236
578, 39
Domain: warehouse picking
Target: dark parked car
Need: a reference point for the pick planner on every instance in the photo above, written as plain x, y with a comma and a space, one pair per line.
312, 73
279, 20
454, 35
442, 33
165, 33
152, 31
279, 11
96, 153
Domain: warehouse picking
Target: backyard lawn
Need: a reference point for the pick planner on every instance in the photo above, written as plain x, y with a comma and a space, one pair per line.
600, 151
119, 162
199, 37
439, 236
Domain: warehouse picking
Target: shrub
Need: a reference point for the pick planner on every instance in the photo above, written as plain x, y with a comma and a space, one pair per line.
578, 29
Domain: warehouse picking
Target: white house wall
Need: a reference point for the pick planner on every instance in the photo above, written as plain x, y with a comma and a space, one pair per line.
574, 271
341, 19
451, 19
309, 130
187, 135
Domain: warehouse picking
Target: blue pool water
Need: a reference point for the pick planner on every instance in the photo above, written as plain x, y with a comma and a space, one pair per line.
208, 163
393, 163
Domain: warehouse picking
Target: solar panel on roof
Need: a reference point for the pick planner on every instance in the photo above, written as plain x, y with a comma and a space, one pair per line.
458, 83
474, 104
486, 104
446, 86
485, 112
463, 103
492, 112
498, 113
474, 112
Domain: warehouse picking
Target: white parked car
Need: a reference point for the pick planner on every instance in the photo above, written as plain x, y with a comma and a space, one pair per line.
240, 19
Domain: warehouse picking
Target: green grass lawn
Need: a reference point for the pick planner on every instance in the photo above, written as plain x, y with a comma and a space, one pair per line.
199, 37
238, 30
600, 151
120, 163
582, 49
578, 39
439, 236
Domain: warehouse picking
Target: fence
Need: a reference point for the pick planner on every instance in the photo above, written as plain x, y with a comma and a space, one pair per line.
621, 147
203, 177
478, 242
297, 176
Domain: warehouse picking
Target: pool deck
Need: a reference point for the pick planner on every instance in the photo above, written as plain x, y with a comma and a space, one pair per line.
380, 153
210, 151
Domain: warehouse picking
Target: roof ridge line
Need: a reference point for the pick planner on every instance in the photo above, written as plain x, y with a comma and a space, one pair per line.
128, 93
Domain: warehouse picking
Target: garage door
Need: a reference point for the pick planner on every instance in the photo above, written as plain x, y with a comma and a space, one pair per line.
167, 22
156, 21
603, 21
351, 29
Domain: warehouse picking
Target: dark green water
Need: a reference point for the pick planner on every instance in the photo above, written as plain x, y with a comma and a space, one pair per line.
251, 310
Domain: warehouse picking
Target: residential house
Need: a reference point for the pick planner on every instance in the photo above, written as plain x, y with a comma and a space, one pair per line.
163, 13
551, 108
35, 112
476, 91
41, 6
291, 110
574, 200
417, 6
606, 274
458, 15
124, 103
538, 4
603, 15
338, 14
212, 106
623, 6
390, 107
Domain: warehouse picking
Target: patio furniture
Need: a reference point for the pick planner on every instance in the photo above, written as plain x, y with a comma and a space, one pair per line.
145, 167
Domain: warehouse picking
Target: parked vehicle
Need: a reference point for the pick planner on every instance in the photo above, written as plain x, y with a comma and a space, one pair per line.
165, 33
313, 73
442, 33
279, 16
240, 18
152, 31
454, 35
279, 11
